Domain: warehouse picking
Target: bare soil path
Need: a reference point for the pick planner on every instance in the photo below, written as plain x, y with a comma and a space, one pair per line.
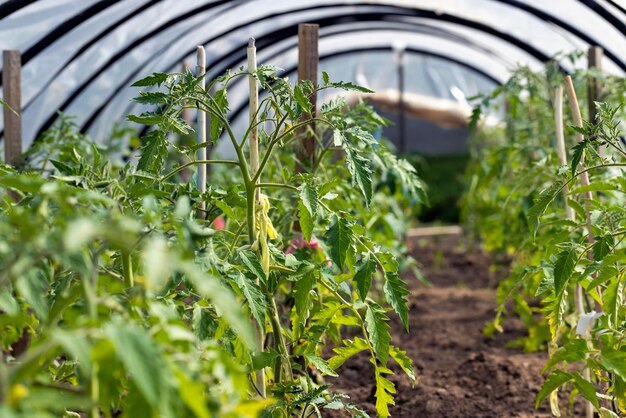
461, 373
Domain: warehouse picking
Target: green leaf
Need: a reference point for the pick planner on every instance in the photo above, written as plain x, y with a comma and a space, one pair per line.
540, 206
378, 331
325, 78
33, 287
308, 197
250, 260
301, 92
349, 86
307, 222
152, 80
365, 269
573, 351
604, 245
151, 97
153, 152
142, 358
358, 166
321, 364
339, 238
563, 268
349, 349
556, 306
579, 150
303, 289
553, 382
192, 393
614, 361
254, 297
613, 300
587, 389
405, 363
395, 290
385, 389
146, 118
220, 99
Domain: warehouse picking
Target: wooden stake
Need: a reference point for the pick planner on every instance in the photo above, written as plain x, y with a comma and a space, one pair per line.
594, 88
253, 139
253, 144
11, 88
584, 177
560, 148
201, 129
308, 63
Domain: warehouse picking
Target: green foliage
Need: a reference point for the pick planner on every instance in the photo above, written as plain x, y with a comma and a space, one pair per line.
574, 263
125, 291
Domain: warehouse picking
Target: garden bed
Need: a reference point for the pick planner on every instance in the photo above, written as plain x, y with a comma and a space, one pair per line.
461, 373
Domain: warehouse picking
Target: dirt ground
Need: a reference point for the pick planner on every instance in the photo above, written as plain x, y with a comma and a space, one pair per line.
461, 373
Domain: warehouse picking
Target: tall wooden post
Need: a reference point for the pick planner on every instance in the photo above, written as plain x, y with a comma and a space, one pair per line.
11, 88
594, 88
308, 62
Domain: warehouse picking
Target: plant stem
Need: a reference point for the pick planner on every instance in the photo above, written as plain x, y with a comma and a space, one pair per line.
127, 267
189, 164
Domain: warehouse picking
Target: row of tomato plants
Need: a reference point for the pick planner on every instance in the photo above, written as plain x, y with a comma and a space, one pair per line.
560, 223
126, 291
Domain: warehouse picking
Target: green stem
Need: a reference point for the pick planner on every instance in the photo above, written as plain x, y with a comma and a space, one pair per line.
127, 267
182, 167
277, 185
279, 345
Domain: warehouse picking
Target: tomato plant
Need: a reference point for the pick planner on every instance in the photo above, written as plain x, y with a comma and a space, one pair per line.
117, 298
563, 232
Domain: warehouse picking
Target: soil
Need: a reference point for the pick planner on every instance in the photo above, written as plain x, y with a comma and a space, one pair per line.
461, 373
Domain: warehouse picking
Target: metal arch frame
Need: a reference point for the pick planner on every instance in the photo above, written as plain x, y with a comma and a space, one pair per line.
15, 5
236, 55
223, 66
293, 69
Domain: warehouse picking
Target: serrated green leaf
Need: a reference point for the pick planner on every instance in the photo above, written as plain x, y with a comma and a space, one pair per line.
540, 206
142, 358
395, 290
301, 92
614, 361
146, 118
252, 262
349, 86
556, 306
302, 290
308, 197
603, 246
153, 152
573, 351
378, 331
613, 300
358, 166
579, 150
563, 268
365, 269
349, 349
385, 389
339, 239
255, 298
587, 389
325, 78
220, 100
306, 221
405, 363
321, 364
151, 97
553, 382
155, 79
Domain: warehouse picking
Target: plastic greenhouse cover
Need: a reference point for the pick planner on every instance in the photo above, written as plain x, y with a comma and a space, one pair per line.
83, 54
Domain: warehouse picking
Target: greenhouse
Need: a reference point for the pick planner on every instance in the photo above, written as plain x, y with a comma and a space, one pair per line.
330, 208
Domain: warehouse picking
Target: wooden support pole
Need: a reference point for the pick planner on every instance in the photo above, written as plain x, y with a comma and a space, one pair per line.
308, 62
594, 88
11, 89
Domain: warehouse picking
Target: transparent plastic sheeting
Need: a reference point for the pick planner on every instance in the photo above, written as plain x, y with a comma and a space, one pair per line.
80, 56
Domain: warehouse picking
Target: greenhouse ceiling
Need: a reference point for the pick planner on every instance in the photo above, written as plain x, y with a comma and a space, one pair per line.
80, 56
